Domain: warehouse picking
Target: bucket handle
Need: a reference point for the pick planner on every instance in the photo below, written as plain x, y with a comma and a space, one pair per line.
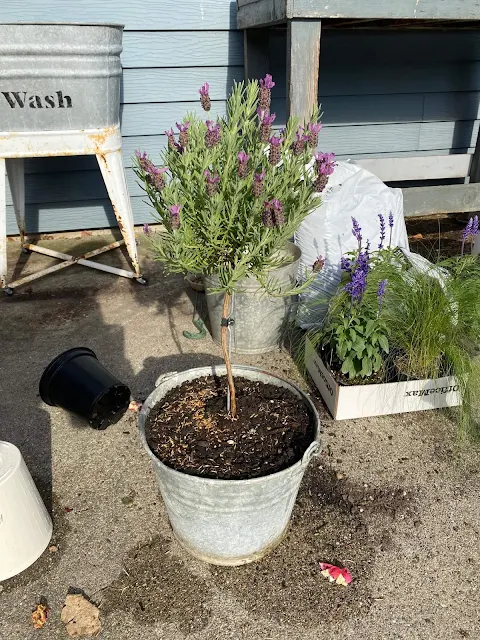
313, 450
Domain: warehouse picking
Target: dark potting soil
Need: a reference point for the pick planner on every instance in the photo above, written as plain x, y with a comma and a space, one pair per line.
192, 432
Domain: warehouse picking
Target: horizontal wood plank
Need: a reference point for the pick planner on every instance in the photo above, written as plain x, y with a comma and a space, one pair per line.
182, 49
378, 9
98, 214
145, 15
419, 167
86, 214
423, 201
166, 85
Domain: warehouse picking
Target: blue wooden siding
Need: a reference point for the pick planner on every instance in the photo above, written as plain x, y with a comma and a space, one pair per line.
390, 93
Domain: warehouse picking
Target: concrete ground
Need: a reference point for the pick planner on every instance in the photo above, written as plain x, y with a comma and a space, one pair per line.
394, 498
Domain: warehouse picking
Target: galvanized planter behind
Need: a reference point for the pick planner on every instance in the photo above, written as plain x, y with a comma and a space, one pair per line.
60, 76
260, 319
228, 522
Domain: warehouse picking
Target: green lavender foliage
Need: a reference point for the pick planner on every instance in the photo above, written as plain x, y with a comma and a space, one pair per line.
224, 234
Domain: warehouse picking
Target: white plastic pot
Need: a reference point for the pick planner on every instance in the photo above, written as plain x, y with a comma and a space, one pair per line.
25, 524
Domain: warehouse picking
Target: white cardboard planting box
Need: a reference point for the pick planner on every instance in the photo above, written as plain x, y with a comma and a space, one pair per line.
363, 401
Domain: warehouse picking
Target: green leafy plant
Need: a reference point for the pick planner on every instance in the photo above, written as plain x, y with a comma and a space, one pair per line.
231, 193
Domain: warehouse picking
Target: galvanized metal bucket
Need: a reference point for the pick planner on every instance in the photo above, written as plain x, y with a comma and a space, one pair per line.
59, 76
259, 319
229, 522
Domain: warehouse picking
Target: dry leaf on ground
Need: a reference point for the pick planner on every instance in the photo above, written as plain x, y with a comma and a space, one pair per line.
39, 616
81, 617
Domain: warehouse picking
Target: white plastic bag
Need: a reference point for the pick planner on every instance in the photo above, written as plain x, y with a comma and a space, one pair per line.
352, 192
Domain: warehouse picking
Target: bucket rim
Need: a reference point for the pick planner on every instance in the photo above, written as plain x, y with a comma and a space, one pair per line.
212, 370
63, 23
55, 365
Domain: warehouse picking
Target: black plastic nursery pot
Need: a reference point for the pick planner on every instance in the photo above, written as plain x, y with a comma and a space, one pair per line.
77, 382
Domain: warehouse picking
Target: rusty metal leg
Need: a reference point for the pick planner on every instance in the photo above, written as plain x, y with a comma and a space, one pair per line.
16, 178
111, 166
3, 226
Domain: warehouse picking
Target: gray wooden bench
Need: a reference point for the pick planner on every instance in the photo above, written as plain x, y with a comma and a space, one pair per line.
304, 19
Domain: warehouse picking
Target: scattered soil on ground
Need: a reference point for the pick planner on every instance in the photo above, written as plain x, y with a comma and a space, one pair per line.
192, 432
334, 521
156, 586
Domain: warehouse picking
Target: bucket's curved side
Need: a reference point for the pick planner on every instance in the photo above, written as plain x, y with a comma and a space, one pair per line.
228, 522
259, 318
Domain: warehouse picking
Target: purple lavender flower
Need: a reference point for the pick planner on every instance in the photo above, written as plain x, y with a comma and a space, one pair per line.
382, 230
144, 162
356, 231
212, 181
175, 215
146, 229
212, 137
155, 177
266, 121
183, 136
318, 264
300, 141
325, 163
267, 82
266, 85
171, 139
381, 292
312, 136
204, 97
274, 154
243, 159
390, 220
273, 215
258, 185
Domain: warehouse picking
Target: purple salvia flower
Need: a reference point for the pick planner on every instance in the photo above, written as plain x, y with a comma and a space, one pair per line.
381, 292
258, 185
475, 226
212, 137
318, 264
212, 182
204, 97
175, 215
346, 264
266, 85
357, 285
382, 230
183, 136
146, 229
467, 232
312, 134
274, 154
356, 231
470, 233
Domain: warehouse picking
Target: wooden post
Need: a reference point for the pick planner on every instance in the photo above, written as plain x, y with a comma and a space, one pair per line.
303, 57
256, 54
